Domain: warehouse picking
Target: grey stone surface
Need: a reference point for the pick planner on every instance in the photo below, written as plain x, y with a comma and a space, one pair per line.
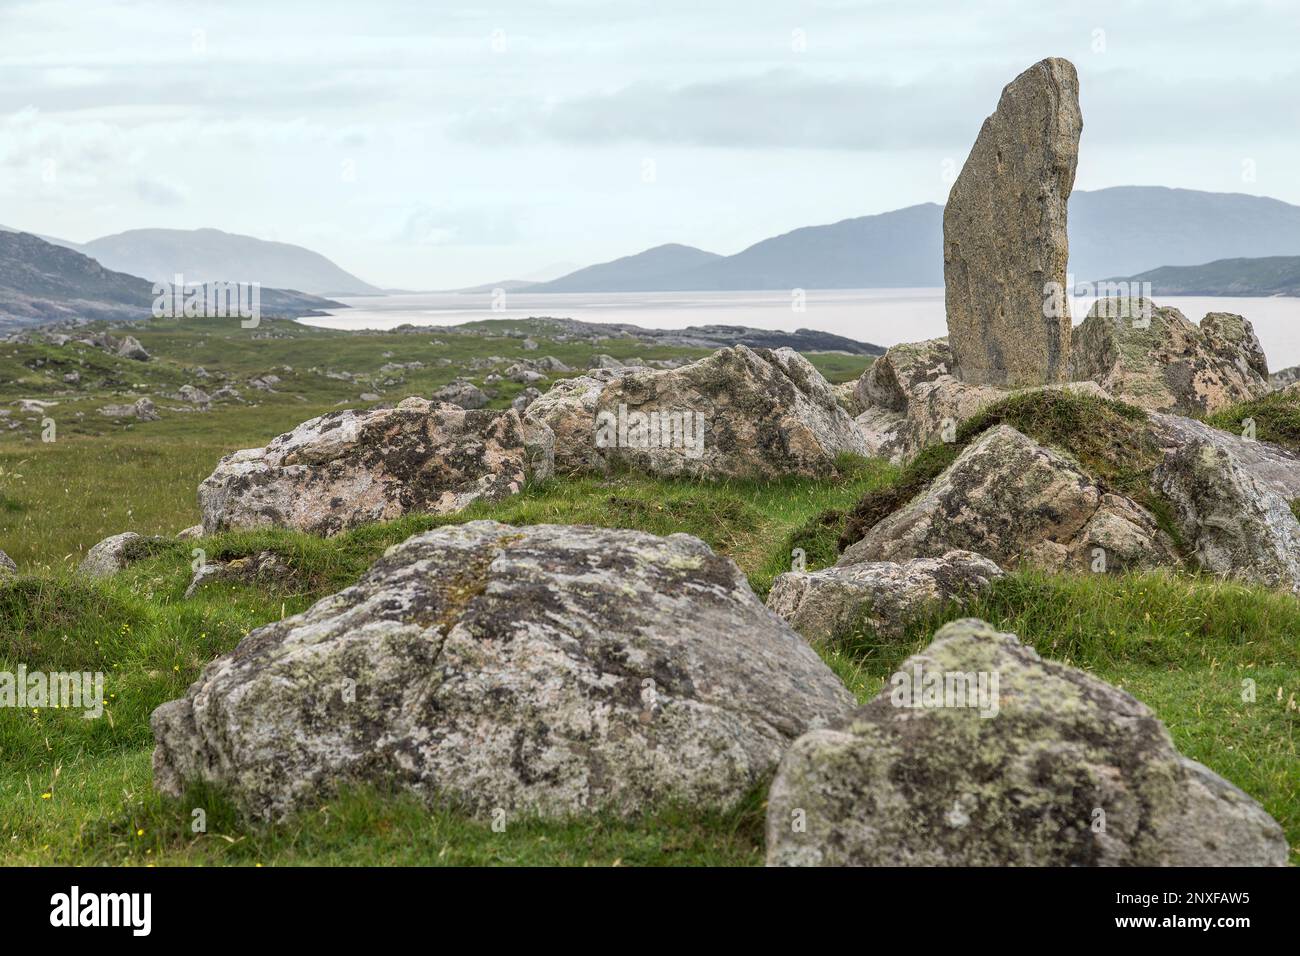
545, 669
1065, 770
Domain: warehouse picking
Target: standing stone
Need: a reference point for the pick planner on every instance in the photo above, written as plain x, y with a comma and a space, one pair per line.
1004, 236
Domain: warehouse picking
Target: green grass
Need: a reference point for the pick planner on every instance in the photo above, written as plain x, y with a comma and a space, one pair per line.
1276, 417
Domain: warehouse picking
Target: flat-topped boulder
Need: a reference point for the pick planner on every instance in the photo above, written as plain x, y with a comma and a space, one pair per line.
353, 467
980, 753
547, 670
1005, 247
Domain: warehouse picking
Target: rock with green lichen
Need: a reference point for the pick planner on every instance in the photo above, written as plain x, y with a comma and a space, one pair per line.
1016, 502
979, 753
543, 669
350, 467
830, 604
1232, 500
1004, 234
738, 413
1155, 358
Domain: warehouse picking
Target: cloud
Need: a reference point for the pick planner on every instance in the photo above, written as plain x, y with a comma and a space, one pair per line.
426, 225
790, 109
158, 193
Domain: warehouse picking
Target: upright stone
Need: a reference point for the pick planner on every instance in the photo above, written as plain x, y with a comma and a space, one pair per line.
1004, 239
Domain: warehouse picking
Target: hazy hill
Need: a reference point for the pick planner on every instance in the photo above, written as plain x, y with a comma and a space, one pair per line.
1271, 275
641, 271
1117, 231
43, 282
204, 255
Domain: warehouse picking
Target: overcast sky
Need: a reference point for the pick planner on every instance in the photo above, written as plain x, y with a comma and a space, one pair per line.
431, 144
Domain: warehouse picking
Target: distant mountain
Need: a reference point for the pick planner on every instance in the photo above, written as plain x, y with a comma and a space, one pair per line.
1116, 231
641, 271
205, 255
43, 282
1271, 275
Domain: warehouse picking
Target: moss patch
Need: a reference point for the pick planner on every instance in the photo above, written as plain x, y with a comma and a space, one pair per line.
1109, 439
1276, 417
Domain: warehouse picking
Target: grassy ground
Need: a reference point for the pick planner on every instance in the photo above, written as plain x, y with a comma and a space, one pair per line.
79, 791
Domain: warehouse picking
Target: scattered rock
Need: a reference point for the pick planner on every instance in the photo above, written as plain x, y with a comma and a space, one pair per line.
193, 531
265, 383
1011, 500
1156, 359
143, 409
196, 396
108, 557
1285, 377
227, 393
369, 397
1066, 771
827, 605
131, 348
544, 669
7, 566
462, 393
34, 406
72, 378
524, 399
352, 467
265, 567
1004, 234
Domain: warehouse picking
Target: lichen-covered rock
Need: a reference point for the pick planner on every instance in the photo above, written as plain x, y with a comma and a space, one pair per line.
739, 413
1004, 234
885, 596
108, 557
1234, 518
1153, 357
1033, 763
1273, 466
7, 566
349, 468
264, 567
911, 399
543, 669
1011, 500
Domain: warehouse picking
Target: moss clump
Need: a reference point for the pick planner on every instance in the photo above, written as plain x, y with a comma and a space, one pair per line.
1109, 439
1276, 417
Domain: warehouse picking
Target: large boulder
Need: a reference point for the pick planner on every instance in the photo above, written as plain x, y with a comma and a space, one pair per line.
739, 413
1153, 357
1004, 235
461, 393
1231, 499
1014, 501
352, 467
885, 596
544, 669
979, 753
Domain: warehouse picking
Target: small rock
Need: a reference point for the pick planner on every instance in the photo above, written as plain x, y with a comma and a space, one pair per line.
827, 605
7, 566
462, 393
108, 557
